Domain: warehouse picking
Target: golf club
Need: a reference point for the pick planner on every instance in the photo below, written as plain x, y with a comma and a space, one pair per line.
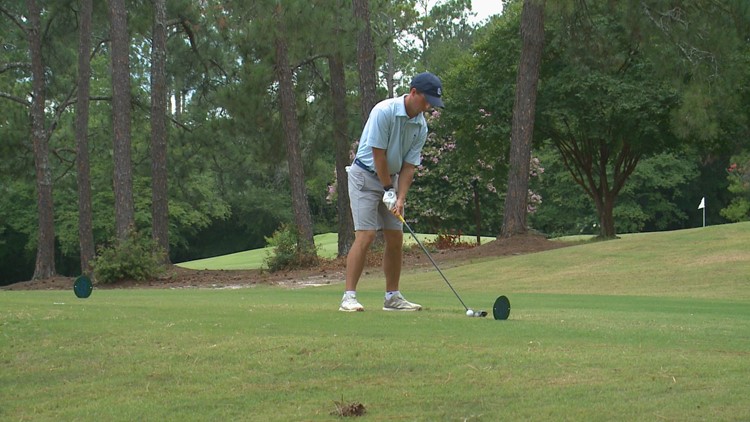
469, 312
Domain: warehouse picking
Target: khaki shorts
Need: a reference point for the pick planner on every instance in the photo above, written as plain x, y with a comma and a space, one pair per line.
366, 200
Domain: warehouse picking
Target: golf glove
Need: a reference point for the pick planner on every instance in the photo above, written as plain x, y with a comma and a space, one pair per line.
389, 199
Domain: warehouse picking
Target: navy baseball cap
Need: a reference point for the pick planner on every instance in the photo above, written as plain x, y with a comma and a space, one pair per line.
429, 85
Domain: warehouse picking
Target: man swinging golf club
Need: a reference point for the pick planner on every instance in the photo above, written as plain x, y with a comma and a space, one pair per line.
389, 152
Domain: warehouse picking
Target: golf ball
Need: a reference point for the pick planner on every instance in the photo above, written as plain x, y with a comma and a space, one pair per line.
469, 313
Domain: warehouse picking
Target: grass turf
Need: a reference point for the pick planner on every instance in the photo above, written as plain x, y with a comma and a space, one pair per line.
648, 327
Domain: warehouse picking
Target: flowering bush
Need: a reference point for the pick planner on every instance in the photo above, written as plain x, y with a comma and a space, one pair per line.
534, 199
450, 181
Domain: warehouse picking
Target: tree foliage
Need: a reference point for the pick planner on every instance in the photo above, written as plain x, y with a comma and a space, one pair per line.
656, 82
738, 174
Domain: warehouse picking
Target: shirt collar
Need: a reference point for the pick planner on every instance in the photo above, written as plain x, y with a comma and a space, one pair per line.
401, 111
401, 106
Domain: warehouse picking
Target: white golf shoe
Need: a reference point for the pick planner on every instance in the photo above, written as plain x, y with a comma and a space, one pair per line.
398, 303
349, 303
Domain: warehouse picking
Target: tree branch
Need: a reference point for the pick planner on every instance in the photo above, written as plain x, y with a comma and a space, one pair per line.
677, 16
309, 60
60, 110
17, 65
13, 18
98, 47
12, 97
185, 23
169, 116
70, 100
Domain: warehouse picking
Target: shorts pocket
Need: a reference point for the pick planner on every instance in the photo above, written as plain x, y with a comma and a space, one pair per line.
356, 180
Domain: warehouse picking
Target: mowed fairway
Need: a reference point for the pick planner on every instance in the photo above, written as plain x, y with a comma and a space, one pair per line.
649, 327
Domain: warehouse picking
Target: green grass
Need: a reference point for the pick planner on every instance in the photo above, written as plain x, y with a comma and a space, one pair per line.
327, 245
648, 327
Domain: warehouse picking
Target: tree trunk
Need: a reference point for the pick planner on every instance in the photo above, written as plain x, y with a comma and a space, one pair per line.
45, 255
588, 162
365, 58
606, 217
177, 100
341, 142
624, 164
290, 125
159, 174
123, 170
83, 166
390, 65
367, 71
522, 130
477, 210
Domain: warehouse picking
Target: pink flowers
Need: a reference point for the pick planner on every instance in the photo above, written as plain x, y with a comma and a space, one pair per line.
535, 167
484, 165
331, 189
331, 193
533, 201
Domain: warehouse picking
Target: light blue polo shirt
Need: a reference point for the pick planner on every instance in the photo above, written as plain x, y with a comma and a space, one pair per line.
391, 129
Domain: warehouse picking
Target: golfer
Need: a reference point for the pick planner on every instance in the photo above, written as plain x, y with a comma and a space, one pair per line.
389, 152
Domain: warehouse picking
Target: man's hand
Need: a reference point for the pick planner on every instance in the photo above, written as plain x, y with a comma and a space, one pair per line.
389, 198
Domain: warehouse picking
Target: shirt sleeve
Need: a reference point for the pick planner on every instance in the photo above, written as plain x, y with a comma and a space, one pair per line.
414, 156
376, 133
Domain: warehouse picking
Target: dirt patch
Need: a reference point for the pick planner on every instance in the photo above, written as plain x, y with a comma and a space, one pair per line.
349, 409
328, 272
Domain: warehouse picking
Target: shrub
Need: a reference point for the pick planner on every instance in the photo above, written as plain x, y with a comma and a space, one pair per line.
287, 253
138, 257
450, 239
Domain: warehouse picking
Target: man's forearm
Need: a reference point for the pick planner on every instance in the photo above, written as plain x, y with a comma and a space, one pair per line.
405, 178
381, 167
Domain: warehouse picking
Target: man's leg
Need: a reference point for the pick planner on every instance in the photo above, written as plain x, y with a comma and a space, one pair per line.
394, 300
392, 257
355, 261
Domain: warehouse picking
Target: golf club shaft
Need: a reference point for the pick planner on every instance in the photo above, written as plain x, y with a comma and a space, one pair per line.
431, 260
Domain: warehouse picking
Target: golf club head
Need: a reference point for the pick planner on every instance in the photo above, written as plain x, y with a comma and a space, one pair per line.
480, 314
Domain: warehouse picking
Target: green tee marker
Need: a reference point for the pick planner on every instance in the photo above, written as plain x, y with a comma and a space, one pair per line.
82, 287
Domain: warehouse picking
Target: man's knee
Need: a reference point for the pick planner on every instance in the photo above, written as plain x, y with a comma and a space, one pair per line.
393, 237
364, 237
